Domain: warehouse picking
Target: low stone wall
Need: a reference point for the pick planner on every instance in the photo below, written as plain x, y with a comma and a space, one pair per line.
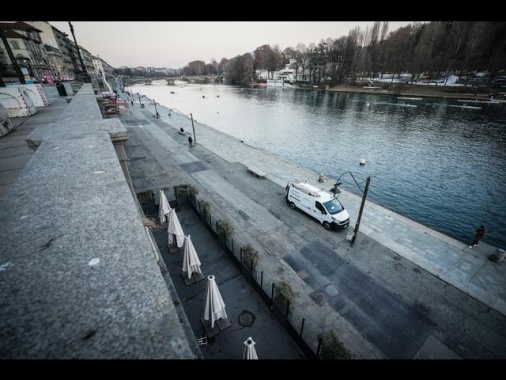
79, 276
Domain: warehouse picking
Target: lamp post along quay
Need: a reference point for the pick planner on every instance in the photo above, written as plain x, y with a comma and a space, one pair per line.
336, 191
193, 126
364, 196
140, 101
86, 76
157, 115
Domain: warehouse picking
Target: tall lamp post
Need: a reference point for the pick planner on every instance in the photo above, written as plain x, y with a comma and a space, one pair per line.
191, 117
336, 191
140, 96
357, 225
193, 126
86, 77
157, 115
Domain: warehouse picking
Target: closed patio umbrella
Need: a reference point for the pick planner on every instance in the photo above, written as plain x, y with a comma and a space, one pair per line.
164, 208
249, 350
191, 262
174, 229
214, 308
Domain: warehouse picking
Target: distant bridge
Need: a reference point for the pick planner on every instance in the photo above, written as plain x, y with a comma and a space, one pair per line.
199, 79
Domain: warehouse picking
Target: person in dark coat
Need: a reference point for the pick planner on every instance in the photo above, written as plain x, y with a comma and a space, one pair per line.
480, 234
190, 140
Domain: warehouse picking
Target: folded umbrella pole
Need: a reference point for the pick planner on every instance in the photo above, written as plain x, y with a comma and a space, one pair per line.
174, 230
164, 208
191, 262
249, 351
214, 307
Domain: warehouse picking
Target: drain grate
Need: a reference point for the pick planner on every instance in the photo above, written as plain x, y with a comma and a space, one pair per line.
246, 319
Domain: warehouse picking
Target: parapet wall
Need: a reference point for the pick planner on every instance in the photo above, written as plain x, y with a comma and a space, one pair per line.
79, 276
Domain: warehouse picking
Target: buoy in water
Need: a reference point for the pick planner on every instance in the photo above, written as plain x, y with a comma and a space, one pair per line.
362, 161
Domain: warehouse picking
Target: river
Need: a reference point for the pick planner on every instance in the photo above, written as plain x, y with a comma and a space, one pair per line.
437, 161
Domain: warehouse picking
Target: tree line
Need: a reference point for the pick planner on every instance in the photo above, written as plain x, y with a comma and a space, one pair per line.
424, 50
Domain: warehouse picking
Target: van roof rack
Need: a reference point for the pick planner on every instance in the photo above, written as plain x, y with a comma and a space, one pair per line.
303, 186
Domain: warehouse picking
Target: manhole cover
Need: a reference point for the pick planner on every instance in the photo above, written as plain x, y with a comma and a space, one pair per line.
246, 319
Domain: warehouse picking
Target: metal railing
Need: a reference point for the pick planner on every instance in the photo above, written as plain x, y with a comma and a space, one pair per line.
304, 334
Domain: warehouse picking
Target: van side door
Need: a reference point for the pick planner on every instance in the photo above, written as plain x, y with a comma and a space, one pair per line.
318, 211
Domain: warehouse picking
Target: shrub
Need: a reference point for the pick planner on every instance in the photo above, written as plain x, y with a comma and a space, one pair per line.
332, 348
225, 228
192, 191
185, 190
206, 207
284, 293
250, 256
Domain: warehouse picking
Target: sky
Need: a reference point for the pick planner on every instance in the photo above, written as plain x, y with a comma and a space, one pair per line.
174, 44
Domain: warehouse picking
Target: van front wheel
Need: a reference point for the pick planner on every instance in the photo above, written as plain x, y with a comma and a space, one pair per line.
326, 225
292, 206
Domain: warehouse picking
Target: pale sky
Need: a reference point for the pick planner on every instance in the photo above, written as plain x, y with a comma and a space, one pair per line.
173, 44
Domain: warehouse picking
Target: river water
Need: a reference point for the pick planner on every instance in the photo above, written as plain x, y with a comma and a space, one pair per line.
437, 161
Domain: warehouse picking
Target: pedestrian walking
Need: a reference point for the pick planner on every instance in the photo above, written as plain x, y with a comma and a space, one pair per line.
131, 101
190, 140
480, 234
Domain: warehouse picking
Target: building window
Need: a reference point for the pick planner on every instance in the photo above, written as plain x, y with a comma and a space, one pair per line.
15, 44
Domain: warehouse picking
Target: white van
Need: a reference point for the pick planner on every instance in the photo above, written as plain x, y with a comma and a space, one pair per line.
318, 203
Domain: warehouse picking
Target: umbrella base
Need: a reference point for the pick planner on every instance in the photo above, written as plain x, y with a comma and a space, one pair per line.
195, 277
173, 248
219, 325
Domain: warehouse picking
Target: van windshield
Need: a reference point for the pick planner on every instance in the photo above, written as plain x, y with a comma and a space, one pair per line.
333, 206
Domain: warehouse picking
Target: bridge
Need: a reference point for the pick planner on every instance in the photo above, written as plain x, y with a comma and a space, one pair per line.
199, 79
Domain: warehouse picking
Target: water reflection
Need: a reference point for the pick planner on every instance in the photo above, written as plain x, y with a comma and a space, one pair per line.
432, 160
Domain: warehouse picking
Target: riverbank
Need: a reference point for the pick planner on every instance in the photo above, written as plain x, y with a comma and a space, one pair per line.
423, 90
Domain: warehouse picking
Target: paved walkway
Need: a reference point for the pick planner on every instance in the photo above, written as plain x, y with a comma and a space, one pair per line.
382, 232
468, 270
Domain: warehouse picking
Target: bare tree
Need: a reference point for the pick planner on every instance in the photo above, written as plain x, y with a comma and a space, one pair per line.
197, 67
374, 50
222, 66
241, 70
270, 59
215, 65
399, 43
303, 60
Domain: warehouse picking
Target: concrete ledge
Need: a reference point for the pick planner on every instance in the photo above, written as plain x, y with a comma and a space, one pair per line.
259, 173
79, 277
60, 131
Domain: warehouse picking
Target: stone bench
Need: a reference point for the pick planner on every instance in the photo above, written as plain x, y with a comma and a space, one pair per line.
259, 173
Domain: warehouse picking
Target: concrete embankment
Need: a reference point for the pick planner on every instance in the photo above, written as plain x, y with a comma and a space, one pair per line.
75, 251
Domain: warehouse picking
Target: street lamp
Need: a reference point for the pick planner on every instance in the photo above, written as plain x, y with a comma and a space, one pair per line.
142, 105
157, 115
86, 77
191, 116
336, 191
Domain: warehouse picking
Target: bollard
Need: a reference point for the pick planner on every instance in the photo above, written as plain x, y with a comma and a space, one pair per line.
498, 256
322, 178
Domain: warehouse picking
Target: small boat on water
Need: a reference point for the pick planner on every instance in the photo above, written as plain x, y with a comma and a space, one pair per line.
465, 106
406, 98
402, 104
478, 101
